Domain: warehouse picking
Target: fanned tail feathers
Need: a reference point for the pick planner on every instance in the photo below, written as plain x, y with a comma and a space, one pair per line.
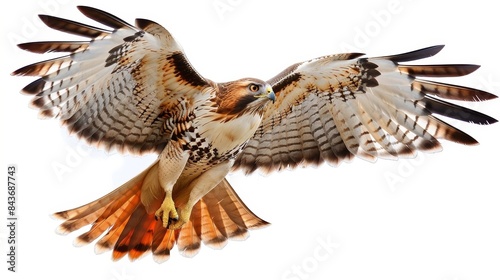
327, 109
129, 229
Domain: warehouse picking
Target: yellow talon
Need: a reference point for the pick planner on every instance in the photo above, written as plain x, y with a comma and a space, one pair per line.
184, 215
167, 211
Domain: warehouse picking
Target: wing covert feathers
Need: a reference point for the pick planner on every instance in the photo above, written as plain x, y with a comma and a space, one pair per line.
120, 222
117, 89
336, 107
121, 86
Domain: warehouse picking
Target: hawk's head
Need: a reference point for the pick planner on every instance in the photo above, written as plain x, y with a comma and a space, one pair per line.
244, 96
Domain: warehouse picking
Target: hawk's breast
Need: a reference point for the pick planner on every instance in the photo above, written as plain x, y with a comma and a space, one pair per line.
229, 136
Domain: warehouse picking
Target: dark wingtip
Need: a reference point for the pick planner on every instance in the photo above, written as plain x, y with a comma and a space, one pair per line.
470, 67
23, 71
23, 46
82, 8
415, 55
103, 17
88, 10
143, 23
463, 138
457, 112
46, 19
484, 95
31, 47
43, 17
438, 48
491, 120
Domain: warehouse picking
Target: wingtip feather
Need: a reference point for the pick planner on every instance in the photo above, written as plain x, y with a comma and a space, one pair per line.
103, 17
415, 55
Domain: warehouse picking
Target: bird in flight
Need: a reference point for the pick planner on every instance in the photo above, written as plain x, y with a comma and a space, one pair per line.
131, 88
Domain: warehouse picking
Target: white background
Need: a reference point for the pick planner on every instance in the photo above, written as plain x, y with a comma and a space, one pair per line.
435, 217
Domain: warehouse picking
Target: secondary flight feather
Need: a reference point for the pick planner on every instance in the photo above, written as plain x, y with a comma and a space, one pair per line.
132, 88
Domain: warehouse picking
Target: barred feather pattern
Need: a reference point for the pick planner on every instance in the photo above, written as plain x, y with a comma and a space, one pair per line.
132, 88
117, 90
120, 222
336, 107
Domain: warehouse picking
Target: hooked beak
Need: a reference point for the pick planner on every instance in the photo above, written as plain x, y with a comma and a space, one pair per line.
269, 94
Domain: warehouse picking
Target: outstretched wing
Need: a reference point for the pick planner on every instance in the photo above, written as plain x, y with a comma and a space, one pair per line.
336, 107
118, 88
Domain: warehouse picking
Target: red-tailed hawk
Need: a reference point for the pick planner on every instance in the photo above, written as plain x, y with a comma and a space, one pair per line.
132, 88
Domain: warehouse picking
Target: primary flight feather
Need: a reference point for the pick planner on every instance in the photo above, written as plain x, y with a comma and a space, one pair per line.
132, 88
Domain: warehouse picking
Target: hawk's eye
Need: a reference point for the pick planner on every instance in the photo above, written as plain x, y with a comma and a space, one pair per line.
253, 87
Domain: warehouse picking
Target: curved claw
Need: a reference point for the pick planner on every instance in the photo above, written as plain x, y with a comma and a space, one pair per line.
184, 215
167, 212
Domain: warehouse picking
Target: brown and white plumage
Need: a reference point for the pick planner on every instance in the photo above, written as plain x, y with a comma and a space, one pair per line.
122, 69
132, 88
336, 107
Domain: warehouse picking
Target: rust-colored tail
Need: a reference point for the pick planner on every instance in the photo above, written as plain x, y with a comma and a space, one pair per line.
220, 215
